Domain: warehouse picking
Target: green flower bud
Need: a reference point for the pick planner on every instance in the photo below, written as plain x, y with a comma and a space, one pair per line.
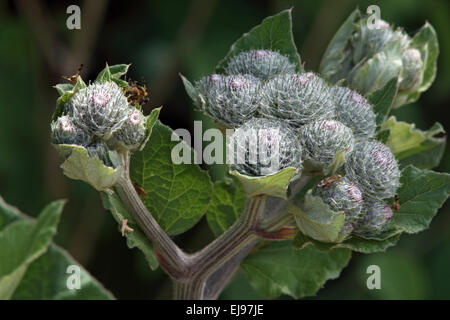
342, 195
100, 109
323, 140
355, 112
263, 64
375, 219
264, 146
374, 168
101, 151
412, 72
369, 41
297, 98
231, 100
132, 133
64, 131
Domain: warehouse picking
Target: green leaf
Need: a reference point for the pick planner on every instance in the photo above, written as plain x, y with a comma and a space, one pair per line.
136, 238
315, 218
413, 146
178, 194
274, 33
275, 185
382, 100
421, 194
46, 277
80, 166
362, 245
226, 205
276, 268
354, 243
196, 98
332, 66
119, 70
150, 123
104, 75
62, 100
22, 242
62, 88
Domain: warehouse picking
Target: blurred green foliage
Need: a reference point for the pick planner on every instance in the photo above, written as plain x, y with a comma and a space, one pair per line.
160, 39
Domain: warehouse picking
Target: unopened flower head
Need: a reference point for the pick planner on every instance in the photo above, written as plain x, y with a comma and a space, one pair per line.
132, 133
263, 64
297, 98
375, 219
264, 146
353, 110
323, 140
100, 109
373, 166
342, 195
64, 131
231, 100
412, 72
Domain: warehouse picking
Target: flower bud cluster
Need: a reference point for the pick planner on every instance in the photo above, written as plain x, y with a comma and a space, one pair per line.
99, 118
299, 120
371, 48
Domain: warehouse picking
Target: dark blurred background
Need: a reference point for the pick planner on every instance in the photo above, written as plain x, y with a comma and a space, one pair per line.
161, 39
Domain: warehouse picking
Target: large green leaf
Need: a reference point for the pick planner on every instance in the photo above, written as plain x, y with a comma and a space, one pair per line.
413, 146
226, 205
274, 33
46, 277
276, 268
22, 242
421, 194
332, 66
177, 194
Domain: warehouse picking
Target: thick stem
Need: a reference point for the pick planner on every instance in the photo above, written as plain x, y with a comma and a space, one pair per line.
170, 256
218, 252
274, 216
191, 272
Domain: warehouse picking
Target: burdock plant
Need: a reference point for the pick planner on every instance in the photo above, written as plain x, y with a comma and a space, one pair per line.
322, 171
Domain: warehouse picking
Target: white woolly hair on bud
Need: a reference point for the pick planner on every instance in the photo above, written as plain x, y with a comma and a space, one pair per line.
412, 71
322, 140
64, 131
375, 219
262, 64
100, 109
342, 195
264, 146
132, 133
353, 110
297, 98
231, 100
374, 168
